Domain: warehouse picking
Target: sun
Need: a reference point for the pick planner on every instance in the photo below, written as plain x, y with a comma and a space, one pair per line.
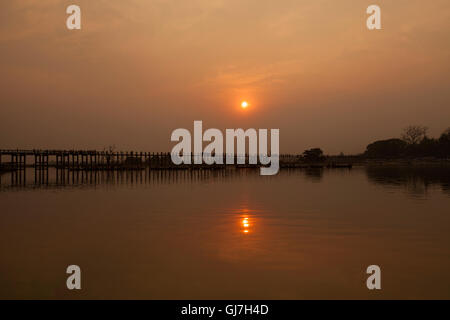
244, 104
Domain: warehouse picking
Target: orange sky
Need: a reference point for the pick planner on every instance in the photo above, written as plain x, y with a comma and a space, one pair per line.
137, 70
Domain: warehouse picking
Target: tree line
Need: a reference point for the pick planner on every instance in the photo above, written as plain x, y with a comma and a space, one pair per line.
414, 142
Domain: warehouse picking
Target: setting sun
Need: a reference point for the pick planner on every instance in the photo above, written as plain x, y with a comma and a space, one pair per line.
244, 104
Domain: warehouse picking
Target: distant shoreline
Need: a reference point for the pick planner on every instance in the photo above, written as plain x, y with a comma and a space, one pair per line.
404, 162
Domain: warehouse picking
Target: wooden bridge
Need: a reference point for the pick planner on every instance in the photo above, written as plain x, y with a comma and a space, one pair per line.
111, 160
96, 160
82, 159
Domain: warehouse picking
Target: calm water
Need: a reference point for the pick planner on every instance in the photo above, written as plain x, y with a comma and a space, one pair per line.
227, 234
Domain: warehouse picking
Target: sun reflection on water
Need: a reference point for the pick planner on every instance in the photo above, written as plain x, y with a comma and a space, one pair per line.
245, 225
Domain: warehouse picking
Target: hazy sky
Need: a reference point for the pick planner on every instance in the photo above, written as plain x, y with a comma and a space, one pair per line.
139, 69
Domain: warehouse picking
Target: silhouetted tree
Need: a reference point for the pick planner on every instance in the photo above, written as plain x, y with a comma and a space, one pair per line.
313, 155
391, 148
444, 143
414, 134
446, 134
428, 147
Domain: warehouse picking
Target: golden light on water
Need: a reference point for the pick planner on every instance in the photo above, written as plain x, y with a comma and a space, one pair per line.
246, 225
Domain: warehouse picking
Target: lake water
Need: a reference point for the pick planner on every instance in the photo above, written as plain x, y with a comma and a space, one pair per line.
230, 234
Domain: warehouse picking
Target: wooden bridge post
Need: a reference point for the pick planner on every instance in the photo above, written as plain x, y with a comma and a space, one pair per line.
46, 171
